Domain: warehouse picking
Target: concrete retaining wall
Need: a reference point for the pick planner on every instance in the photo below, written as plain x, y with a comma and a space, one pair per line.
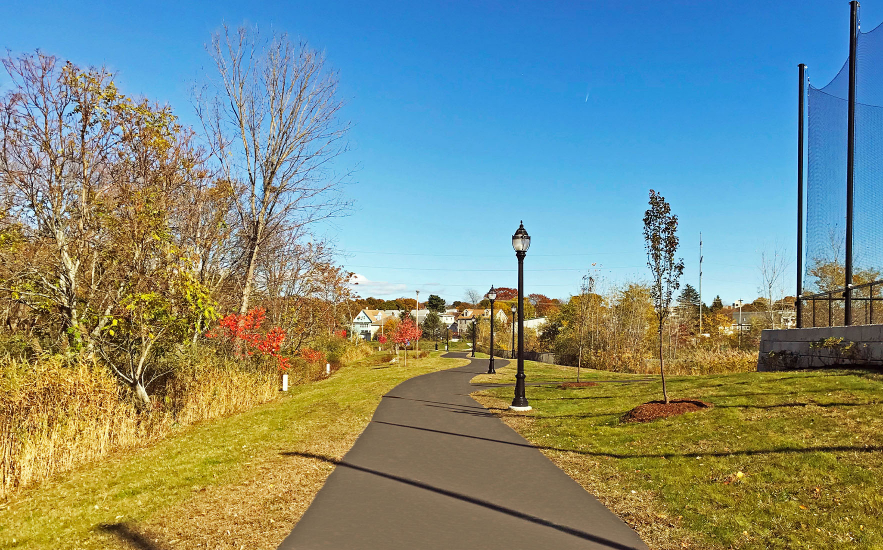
821, 347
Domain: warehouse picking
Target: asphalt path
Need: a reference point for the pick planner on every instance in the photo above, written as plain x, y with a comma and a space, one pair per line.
434, 469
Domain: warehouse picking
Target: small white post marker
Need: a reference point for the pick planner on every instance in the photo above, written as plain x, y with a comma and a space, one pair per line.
327, 368
284, 382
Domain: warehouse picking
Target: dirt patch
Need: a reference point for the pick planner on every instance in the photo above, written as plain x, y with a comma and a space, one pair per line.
658, 409
566, 385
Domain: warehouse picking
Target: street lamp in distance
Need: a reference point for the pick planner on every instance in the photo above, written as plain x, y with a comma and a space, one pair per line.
473, 333
520, 242
492, 295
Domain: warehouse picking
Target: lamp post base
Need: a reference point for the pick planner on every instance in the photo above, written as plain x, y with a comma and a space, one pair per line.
520, 409
491, 370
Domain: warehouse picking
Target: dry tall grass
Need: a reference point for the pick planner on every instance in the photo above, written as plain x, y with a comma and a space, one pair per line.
56, 414
701, 361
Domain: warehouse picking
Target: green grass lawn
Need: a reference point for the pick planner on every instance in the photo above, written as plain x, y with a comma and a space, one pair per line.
808, 445
153, 495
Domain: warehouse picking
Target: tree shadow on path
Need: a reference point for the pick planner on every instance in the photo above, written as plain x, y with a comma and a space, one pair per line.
466, 498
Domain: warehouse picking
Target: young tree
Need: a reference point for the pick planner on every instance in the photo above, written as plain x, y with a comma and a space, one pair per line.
435, 303
661, 243
406, 333
586, 288
772, 271
273, 128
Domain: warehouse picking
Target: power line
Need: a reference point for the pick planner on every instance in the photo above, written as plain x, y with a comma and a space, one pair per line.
483, 270
477, 255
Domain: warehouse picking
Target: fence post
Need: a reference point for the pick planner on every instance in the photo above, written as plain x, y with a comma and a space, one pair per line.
850, 158
801, 116
830, 309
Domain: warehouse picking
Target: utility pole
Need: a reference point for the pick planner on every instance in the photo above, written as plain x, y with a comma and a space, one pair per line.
700, 284
417, 317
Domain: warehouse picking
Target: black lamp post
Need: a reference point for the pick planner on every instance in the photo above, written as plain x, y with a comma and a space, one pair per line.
492, 295
447, 337
512, 348
473, 333
520, 242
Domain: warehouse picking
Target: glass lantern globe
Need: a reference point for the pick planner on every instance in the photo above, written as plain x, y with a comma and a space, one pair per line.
521, 240
492, 294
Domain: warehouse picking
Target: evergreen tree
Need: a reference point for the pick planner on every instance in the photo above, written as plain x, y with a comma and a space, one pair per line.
688, 303
717, 304
435, 303
432, 326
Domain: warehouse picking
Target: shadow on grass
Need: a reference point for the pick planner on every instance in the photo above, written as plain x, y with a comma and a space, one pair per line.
466, 498
743, 452
127, 533
788, 405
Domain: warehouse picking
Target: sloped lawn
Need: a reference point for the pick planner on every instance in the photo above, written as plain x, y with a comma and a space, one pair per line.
238, 482
782, 460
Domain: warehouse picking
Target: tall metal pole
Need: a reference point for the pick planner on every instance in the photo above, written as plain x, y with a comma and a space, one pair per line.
417, 318
512, 347
850, 158
520, 400
490, 365
800, 118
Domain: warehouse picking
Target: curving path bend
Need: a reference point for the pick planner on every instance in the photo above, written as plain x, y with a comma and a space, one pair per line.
434, 469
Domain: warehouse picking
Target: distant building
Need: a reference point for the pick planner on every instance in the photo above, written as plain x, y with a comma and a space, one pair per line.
368, 322
536, 324
742, 321
468, 315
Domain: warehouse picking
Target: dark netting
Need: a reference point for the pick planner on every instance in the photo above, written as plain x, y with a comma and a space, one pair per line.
825, 244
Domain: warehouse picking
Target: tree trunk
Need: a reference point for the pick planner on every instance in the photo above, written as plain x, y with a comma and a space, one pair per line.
250, 273
579, 362
661, 369
142, 400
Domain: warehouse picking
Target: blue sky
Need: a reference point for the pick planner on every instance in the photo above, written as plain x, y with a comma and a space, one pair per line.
470, 116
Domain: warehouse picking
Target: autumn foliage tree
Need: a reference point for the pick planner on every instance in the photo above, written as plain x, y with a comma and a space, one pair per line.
406, 332
120, 239
661, 243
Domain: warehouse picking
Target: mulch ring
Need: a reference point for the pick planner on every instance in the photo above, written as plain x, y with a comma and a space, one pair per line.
658, 409
566, 385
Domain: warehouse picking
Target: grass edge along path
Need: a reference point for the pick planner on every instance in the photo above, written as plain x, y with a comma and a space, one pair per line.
234, 482
807, 445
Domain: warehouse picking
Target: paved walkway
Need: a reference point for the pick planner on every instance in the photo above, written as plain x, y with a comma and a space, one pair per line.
434, 469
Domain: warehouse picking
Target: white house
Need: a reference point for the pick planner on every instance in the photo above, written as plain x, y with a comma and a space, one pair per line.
368, 322
467, 316
535, 324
